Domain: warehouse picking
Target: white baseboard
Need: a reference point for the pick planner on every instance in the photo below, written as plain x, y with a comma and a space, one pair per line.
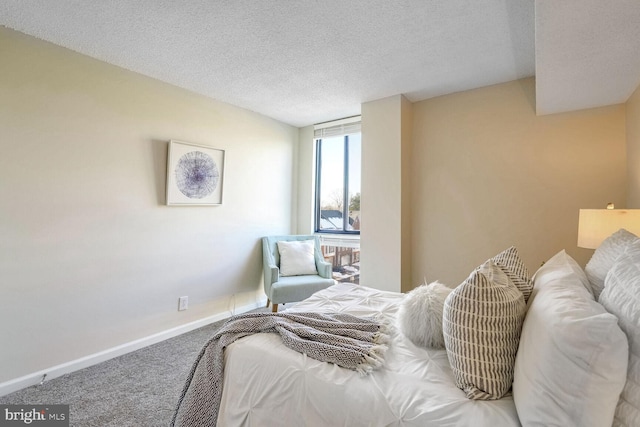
92, 359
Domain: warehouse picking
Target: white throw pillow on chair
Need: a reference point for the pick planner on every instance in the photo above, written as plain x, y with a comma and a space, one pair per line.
297, 257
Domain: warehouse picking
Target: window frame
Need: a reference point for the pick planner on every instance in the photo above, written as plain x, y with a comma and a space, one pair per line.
345, 187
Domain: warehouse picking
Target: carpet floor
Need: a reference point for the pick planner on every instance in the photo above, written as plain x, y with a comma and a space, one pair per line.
137, 389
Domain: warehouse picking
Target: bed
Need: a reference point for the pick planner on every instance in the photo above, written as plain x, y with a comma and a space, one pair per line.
414, 387
577, 360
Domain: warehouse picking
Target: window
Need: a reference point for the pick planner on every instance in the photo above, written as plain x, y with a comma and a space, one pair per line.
338, 147
344, 257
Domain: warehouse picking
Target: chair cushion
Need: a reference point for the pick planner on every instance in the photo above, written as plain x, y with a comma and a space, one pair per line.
297, 288
297, 257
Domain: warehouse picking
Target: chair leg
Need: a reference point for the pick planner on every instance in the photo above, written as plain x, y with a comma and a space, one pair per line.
268, 302
274, 308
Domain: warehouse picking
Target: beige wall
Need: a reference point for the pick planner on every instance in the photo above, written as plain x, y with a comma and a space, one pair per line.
406, 218
380, 230
306, 170
385, 146
633, 150
488, 173
90, 256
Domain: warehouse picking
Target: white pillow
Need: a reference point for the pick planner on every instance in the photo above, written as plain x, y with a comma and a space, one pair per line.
297, 257
621, 297
481, 323
605, 256
572, 360
563, 265
420, 314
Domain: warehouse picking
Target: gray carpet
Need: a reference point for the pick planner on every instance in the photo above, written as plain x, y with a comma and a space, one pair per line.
137, 389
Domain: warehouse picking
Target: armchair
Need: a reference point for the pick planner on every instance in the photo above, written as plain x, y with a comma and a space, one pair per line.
282, 289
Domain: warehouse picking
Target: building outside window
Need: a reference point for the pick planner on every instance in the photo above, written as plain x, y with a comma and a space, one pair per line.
337, 201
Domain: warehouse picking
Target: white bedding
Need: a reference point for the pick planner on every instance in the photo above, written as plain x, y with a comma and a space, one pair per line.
267, 384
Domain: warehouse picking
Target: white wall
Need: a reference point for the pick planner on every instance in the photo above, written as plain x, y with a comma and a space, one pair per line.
90, 256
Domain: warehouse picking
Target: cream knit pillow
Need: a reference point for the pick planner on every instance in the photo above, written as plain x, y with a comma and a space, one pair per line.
482, 320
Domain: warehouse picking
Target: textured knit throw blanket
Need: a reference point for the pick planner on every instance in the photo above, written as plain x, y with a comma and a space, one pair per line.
348, 341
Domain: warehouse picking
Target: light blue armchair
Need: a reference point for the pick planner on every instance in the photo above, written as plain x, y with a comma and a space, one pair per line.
283, 289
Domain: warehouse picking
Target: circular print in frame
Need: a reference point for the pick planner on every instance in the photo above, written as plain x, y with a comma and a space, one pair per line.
197, 175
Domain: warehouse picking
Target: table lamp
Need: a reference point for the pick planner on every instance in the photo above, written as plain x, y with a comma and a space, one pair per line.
595, 225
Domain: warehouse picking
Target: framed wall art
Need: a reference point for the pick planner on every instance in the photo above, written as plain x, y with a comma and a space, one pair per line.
194, 175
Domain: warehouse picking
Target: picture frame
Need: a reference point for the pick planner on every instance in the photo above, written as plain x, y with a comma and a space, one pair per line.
195, 174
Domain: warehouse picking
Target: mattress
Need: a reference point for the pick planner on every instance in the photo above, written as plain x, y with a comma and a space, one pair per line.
267, 384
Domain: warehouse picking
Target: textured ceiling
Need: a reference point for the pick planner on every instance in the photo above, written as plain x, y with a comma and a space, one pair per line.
309, 61
587, 53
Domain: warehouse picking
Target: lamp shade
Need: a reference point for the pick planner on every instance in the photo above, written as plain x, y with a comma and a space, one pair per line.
595, 225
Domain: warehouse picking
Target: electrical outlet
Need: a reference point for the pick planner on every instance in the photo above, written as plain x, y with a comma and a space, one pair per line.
183, 303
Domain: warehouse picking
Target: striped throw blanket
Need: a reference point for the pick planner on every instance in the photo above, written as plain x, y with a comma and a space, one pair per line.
348, 341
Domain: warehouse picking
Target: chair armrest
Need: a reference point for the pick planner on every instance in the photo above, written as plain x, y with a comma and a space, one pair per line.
271, 270
324, 269
274, 273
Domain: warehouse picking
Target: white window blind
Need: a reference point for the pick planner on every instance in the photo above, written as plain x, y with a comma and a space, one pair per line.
346, 126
